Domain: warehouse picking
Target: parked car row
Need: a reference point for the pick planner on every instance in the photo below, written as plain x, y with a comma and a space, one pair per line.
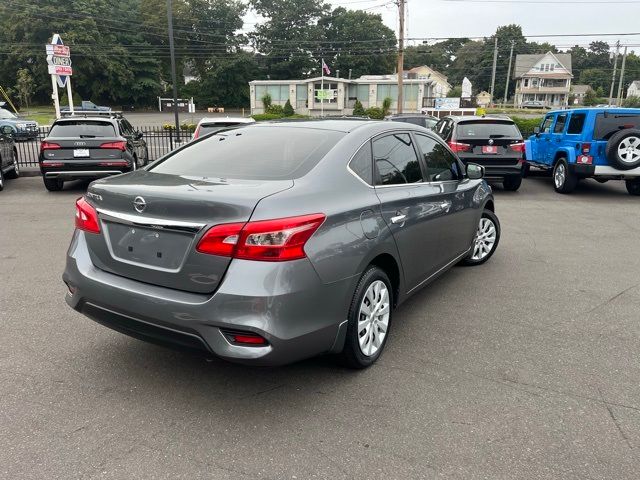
24, 129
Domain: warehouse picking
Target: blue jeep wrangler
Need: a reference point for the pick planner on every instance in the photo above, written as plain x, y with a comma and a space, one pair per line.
599, 143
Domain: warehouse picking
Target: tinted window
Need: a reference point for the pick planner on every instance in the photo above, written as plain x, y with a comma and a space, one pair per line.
576, 123
252, 153
546, 125
430, 122
82, 128
611, 123
206, 128
487, 129
396, 160
560, 123
362, 165
441, 164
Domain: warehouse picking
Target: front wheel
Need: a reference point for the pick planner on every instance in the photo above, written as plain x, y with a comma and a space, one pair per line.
563, 180
633, 187
369, 319
486, 240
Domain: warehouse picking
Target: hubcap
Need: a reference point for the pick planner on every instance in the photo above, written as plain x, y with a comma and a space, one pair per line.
373, 318
485, 239
560, 175
16, 167
629, 150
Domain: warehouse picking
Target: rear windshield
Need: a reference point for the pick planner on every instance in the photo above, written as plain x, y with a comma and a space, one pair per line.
206, 128
82, 129
487, 129
607, 125
252, 153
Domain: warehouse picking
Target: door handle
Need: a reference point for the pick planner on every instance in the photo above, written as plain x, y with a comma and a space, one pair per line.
445, 205
398, 219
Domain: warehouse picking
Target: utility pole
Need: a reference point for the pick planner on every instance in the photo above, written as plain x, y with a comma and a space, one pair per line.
506, 87
615, 67
495, 64
173, 69
624, 64
401, 56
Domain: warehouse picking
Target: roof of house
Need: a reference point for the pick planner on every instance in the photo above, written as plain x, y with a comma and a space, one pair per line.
580, 89
635, 84
525, 62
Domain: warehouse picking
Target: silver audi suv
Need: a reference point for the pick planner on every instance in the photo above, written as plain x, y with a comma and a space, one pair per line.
270, 243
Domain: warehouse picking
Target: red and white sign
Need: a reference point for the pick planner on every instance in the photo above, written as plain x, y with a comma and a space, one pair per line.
585, 160
60, 70
58, 50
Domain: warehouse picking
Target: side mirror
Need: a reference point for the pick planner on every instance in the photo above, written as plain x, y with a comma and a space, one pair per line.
475, 171
536, 130
139, 135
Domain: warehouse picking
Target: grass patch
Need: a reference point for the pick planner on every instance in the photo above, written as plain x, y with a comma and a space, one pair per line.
41, 118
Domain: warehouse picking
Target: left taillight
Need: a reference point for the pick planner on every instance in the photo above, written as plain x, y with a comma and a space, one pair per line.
517, 147
86, 217
114, 145
266, 240
48, 146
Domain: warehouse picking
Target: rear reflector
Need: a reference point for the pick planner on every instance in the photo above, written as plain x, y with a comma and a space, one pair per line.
459, 147
48, 163
86, 217
113, 164
267, 240
244, 338
517, 147
115, 145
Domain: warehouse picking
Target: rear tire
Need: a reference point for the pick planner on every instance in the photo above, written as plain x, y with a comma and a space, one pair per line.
563, 180
623, 149
633, 187
369, 319
15, 173
53, 184
512, 183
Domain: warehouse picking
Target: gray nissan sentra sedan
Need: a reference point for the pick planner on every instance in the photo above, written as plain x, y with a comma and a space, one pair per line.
270, 243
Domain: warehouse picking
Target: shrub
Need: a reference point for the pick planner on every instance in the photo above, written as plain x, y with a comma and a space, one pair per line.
386, 106
260, 117
631, 102
374, 112
526, 125
168, 126
358, 109
266, 101
288, 109
189, 127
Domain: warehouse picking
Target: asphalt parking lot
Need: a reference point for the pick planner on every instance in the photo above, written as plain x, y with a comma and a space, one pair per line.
525, 367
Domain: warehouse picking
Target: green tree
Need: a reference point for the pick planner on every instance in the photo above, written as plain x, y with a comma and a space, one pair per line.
358, 109
386, 106
288, 109
25, 86
590, 98
358, 41
455, 92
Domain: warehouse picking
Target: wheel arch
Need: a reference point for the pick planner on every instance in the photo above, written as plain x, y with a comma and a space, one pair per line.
569, 154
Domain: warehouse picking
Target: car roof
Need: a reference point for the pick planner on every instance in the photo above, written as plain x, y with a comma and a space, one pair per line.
598, 109
370, 127
226, 120
478, 118
409, 115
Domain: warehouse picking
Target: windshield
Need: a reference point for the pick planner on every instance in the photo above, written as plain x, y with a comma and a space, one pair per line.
82, 129
487, 129
6, 114
252, 153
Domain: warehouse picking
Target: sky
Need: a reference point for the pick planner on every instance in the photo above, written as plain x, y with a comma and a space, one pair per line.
477, 18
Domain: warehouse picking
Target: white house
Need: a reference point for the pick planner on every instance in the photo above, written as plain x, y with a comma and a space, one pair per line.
544, 78
342, 93
634, 89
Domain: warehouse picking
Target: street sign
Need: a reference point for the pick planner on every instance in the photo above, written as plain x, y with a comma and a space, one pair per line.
58, 50
61, 61
60, 70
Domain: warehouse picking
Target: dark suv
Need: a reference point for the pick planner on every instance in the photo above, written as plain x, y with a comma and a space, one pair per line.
95, 146
493, 142
426, 121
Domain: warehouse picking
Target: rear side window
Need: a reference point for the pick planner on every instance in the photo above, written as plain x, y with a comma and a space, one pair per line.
206, 128
362, 165
576, 123
396, 160
607, 125
82, 129
252, 153
487, 129
441, 164
560, 123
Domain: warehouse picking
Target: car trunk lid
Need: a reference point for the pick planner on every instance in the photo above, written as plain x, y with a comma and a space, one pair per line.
151, 224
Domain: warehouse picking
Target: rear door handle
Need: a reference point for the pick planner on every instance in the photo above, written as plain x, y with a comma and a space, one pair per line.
398, 219
445, 205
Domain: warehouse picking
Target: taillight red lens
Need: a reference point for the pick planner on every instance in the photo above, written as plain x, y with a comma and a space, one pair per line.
586, 148
48, 146
267, 240
459, 147
86, 217
517, 147
196, 134
115, 145
246, 338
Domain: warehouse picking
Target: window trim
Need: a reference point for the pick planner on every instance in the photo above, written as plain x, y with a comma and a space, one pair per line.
555, 123
352, 172
459, 163
584, 122
415, 151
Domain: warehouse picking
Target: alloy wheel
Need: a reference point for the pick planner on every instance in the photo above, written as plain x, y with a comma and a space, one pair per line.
560, 175
373, 318
629, 149
16, 166
485, 239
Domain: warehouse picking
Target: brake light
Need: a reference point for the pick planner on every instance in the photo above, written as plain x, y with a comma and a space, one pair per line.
266, 240
115, 145
459, 147
586, 148
196, 134
48, 146
86, 217
517, 147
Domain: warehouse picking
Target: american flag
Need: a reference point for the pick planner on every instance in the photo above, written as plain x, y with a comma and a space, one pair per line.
325, 68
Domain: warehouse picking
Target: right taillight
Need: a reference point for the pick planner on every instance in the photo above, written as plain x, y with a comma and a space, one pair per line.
266, 240
458, 147
48, 146
86, 217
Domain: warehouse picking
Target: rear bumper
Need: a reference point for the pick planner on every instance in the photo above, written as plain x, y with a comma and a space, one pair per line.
74, 174
286, 303
497, 169
586, 171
